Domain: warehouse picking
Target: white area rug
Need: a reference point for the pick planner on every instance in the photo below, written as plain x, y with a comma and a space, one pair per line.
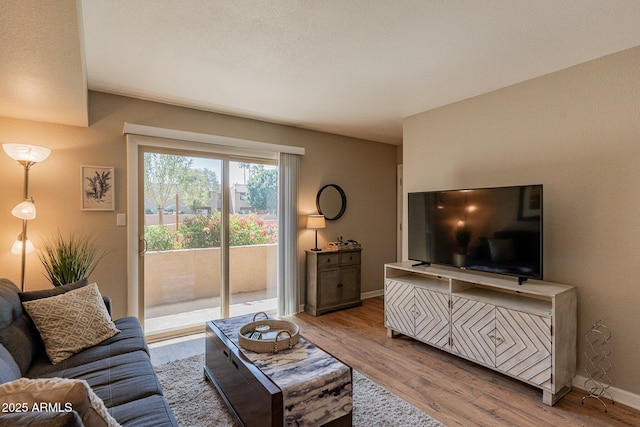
196, 402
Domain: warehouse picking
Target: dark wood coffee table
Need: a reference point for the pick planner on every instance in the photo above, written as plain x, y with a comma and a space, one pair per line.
302, 385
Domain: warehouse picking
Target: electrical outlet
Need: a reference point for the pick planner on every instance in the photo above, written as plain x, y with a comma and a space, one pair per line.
121, 219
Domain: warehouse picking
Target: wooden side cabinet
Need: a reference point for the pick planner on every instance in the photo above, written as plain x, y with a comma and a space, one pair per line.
333, 280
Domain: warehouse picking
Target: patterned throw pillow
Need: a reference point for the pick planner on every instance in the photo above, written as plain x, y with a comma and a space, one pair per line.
71, 322
56, 394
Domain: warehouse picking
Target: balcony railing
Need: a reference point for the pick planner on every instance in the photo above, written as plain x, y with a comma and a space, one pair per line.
183, 286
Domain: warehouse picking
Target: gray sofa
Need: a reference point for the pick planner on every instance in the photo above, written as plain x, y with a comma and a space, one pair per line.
118, 369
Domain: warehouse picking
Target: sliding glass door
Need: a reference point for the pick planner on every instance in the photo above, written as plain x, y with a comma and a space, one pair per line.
253, 237
210, 238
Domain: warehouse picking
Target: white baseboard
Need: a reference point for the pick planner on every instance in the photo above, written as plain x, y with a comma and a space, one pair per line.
365, 295
372, 294
619, 396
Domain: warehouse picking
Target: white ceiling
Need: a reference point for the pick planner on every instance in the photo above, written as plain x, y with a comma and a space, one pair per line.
42, 66
350, 67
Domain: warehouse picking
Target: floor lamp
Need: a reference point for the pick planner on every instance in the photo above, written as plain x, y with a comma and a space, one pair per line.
27, 156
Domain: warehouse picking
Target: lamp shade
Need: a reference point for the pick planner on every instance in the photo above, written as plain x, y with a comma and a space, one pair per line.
16, 248
28, 153
315, 222
25, 210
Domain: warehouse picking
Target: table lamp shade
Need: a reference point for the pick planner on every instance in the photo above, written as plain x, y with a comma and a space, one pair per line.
315, 222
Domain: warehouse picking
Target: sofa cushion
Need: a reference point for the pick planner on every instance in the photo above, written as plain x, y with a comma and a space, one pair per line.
57, 394
9, 369
10, 307
130, 339
150, 411
117, 379
71, 321
57, 290
19, 339
17, 333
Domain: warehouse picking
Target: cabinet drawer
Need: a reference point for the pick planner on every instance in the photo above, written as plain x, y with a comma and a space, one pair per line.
349, 258
328, 260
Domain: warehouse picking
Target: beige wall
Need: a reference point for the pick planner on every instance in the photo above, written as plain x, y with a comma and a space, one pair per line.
577, 132
55, 184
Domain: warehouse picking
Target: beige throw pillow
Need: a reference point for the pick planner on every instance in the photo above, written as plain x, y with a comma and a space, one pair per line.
58, 395
71, 322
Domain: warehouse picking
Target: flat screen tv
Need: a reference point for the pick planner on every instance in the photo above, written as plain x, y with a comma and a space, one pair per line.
496, 230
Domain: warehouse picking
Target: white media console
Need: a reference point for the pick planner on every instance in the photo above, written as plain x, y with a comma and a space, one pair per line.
526, 331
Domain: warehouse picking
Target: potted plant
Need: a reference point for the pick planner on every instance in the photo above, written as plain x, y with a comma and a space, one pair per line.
67, 261
463, 238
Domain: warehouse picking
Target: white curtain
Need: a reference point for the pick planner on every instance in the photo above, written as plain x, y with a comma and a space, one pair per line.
288, 275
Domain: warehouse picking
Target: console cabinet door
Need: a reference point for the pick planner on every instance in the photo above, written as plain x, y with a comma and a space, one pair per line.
473, 325
432, 317
523, 346
328, 287
399, 307
349, 283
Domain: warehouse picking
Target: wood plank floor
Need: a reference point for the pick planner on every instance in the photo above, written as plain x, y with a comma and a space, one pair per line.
453, 390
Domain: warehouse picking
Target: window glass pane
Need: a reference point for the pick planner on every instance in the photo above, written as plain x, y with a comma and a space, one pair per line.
253, 237
182, 204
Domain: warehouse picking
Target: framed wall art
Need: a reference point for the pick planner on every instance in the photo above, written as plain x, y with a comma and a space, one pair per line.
98, 188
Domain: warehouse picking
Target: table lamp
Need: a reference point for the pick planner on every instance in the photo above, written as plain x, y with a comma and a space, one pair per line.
316, 222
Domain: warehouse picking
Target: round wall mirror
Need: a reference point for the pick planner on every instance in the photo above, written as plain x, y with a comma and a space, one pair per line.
331, 202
